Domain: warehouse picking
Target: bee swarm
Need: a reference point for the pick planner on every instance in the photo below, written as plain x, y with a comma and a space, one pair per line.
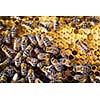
49, 49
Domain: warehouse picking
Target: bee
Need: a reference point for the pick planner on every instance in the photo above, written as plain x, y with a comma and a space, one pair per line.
59, 67
9, 71
80, 77
53, 50
39, 40
37, 80
37, 50
32, 61
8, 51
43, 56
1, 39
17, 45
3, 79
27, 51
22, 80
23, 69
42, 64
24, 42
46, 41
18, 59
56, 81
13, 32
15, 78
7, 38
4, 63
32, 39
49, 71
64, 61
31, 76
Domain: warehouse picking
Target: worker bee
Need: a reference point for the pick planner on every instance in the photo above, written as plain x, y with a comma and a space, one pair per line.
24, 42
7, 38
27, 51
43, 56
43, 63
8, 51
46, 41
9, 71
1, 39
18, 59
54, 61
17, 42
37, 50
80, 77
37, 80
59, 67
53, 50
23, 69
64, 61
13, 32
22, 80
51, 69
32, 61
31, 76
15, 78
32, 39
3, 79
4, 63
39, 40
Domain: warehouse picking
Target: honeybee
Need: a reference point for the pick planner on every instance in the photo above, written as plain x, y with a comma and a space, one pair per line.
80, 77
53, 50
15, 78
1, 39
22, 80
39, 40
27, 51
31, 76
13, 32
24, 42
3, 79
59, 67
64, 61
23, 69
43, 63
9, 52
37, 50
32, 39
32, 61
37, 80
46, 41
43, 56
9, 71
4, 63
54, 61
17, 45
18, 59
7, 38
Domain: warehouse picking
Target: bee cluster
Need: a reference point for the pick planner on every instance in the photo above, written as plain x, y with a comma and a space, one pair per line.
31, 56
